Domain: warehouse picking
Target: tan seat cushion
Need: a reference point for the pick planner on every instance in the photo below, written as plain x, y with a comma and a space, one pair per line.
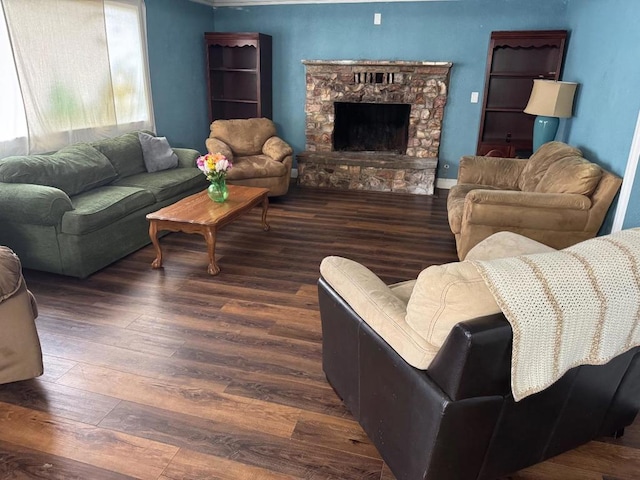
506, 244
256, 166
445, 295
379, 307
570, 175
541, 160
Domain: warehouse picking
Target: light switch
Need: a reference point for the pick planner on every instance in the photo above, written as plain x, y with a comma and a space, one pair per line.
377, 18
474, 97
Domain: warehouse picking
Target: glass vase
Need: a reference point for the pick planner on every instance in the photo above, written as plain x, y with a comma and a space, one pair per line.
218, 191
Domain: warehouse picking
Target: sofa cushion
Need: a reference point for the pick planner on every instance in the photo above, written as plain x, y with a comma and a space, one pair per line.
256, 166
157, 153
506, 244
103, 206
445, 295
244, 136
378, 306
166, 184
124, 153
570, 175
73, 169
539, 162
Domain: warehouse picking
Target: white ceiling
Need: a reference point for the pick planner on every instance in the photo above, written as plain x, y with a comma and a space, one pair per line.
238, 3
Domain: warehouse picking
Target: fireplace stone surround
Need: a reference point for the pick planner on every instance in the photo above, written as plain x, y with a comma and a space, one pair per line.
422, 85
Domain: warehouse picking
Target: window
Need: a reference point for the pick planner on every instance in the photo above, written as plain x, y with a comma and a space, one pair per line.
76, 70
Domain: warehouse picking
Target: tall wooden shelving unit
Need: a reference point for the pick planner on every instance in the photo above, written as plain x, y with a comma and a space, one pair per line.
238, 75
514, 60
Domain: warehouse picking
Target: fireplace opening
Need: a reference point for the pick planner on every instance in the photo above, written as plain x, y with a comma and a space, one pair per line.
371, 127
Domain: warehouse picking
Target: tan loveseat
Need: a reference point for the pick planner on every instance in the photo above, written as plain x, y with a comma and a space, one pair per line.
555, 197
259, 157
20, 354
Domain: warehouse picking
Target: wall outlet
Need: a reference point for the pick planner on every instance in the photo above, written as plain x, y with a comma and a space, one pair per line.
377, 18
474, 97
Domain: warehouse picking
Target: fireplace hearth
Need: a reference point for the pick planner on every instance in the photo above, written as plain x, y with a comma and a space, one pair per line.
373, 125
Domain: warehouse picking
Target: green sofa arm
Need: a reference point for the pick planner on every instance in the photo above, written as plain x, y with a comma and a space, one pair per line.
33, 204
186, 157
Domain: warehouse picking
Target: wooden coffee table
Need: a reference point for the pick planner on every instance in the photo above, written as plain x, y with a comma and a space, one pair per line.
199, 214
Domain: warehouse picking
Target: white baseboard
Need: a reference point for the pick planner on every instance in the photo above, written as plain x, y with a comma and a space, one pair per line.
294, 173
446, 183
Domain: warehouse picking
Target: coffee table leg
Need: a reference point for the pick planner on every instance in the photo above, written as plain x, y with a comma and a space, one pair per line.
265, 208
153, 233
210, 238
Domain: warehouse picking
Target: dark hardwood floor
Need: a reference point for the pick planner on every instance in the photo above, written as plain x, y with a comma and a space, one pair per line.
174, 374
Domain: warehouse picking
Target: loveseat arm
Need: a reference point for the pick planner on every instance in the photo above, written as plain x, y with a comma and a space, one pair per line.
475, 359
493, 171
215, 145
277, 149
32, 204
186, 157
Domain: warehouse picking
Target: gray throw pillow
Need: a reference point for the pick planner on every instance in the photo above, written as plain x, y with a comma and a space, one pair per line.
157, 153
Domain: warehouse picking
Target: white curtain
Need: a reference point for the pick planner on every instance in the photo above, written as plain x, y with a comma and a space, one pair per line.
80, 72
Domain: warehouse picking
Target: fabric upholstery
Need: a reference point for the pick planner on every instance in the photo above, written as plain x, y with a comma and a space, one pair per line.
506, 244
102, 206
157, 153
124, 152
570, 175
73, 169
559, 198
20, 353
375, 302
541, 160
259, 157
445, 295
78, 234
244, 136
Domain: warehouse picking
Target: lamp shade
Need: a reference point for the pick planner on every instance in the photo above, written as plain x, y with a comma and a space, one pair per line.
551, 99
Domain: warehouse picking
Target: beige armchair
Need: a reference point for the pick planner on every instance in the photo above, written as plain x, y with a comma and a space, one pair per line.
260, 158
20, 354
555, 197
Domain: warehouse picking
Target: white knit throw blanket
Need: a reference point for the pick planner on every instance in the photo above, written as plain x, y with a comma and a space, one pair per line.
576, 306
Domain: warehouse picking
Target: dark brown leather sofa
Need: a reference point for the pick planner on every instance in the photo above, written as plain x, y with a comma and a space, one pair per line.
457, 420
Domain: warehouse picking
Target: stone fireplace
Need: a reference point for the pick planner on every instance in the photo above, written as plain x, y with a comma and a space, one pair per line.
373, 125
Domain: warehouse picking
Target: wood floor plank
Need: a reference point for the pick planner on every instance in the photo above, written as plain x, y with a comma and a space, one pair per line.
332, 432
190, 376
59, 400
190, 398
190, 465
110, 450
285, 456
21, 463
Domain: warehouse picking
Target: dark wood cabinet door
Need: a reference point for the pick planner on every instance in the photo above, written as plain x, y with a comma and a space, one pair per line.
514, 60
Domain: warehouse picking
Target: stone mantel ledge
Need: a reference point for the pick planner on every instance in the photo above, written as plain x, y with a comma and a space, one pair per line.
382, 63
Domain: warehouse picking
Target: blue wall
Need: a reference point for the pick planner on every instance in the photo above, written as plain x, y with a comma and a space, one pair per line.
175, 35
604, 57
435, 31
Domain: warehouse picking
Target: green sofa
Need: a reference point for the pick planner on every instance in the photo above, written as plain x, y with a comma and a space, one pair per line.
80, 209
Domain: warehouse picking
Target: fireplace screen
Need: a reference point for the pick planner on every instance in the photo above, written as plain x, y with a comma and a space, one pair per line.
376, 127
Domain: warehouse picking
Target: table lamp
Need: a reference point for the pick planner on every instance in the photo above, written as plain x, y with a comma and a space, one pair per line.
550, 100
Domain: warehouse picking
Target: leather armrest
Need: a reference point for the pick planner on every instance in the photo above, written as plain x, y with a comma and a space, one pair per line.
215, 145
493, 171
475, 359
277, 149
